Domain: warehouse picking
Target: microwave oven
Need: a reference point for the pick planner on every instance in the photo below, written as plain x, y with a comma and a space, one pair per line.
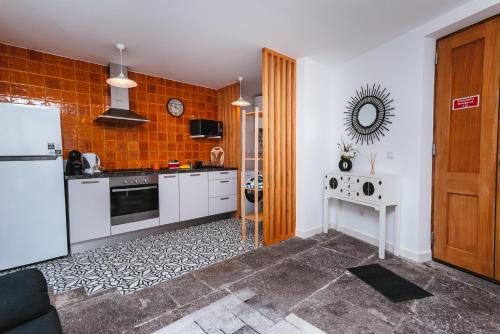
205, 128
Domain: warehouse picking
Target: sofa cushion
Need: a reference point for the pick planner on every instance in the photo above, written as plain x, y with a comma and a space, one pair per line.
23, 297
48, 323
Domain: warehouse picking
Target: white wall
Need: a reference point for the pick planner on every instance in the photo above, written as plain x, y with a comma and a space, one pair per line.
405, 66
397, 66
314, 138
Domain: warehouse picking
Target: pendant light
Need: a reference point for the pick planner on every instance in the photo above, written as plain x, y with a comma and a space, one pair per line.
121, 81
240, 102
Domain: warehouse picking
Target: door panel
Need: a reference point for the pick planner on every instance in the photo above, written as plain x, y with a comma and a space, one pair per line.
89, 209
466, 140
29, 129
168, 188
466, 79
193, 188
462, 209
32, 212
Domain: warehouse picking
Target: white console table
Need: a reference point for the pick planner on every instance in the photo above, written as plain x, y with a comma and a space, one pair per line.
377, 191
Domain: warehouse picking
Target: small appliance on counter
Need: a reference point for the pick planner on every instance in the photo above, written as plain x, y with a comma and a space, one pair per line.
91, 163
217, 156
174, 164
74, 164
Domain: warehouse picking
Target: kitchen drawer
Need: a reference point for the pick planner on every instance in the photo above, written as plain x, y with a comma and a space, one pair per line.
224, 187
222, 204
223, 174
349, 179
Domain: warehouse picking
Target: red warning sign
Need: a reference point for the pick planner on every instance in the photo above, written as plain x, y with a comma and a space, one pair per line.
466, 102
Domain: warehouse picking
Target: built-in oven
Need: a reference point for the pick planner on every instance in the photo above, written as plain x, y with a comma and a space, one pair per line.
133, 198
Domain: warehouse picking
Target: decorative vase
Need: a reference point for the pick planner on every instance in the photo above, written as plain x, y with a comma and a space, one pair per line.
345, 165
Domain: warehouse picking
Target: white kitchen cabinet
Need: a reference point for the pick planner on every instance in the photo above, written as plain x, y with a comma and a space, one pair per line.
89, 209
168, 188
193, 195
225, 187
222, 174
223, 204
223, 190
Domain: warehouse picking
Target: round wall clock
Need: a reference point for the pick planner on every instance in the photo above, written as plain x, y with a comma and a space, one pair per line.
175, 107
368, 114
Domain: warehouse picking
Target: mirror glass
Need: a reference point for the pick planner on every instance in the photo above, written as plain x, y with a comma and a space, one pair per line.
367, 115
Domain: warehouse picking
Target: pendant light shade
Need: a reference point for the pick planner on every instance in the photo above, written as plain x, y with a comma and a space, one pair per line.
121, 81
240, 102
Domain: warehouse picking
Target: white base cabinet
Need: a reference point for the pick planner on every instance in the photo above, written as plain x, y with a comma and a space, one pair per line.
182, 196
222, 192
193, 195
222, 204
168, 188
89, 209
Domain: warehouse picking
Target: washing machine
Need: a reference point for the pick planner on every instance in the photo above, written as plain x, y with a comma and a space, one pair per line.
249, 205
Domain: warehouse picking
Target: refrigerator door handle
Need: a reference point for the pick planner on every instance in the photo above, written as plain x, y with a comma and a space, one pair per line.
29, 157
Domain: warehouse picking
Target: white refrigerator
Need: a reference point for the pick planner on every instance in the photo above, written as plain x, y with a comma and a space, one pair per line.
32, 201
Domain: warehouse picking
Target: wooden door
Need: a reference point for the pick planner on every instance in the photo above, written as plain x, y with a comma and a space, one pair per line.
466, 138
278, 106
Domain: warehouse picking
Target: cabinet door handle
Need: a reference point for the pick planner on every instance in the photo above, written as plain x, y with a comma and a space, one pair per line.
223, 172
89, 182
194, 174
224, 181
224, 198
169, 176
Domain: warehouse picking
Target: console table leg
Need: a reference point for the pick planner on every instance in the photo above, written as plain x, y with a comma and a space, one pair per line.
397, 231
381, 233
325, 215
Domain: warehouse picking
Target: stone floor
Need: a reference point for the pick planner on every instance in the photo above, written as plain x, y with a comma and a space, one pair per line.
306, 277
231, 314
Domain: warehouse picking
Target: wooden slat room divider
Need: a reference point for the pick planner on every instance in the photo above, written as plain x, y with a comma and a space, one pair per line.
231, 119
278, 104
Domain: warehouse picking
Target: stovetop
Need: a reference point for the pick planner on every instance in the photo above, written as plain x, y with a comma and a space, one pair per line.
130, 170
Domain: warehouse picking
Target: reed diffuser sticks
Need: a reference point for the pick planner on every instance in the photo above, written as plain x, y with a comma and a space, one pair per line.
371, 159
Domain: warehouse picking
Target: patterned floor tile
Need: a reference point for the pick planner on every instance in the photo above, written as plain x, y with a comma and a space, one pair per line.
134, 265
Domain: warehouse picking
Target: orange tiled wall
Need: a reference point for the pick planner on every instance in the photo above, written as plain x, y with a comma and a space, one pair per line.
80, 90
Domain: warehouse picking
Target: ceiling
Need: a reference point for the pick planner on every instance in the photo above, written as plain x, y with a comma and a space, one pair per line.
211, 43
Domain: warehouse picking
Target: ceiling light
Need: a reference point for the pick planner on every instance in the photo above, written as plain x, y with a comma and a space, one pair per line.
121, 81
240, 102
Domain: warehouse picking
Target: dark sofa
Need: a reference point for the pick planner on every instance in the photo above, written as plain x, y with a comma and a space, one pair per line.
25, 305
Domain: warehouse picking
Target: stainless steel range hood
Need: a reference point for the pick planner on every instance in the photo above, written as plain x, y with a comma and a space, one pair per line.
119, 112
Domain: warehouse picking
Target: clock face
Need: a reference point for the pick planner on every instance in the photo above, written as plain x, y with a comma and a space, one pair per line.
175, 107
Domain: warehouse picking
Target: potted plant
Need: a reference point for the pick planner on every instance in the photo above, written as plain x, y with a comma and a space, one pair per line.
347, 153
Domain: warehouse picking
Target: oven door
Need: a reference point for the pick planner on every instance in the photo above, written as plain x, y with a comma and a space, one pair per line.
134, 203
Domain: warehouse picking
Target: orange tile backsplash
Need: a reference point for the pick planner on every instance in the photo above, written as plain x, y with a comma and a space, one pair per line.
79, 89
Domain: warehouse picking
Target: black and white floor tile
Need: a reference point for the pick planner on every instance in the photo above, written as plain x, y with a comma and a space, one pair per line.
133, 265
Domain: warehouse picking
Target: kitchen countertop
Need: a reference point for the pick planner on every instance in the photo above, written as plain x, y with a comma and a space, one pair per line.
148, 172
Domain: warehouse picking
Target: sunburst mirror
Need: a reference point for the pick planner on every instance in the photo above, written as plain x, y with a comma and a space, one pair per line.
368, 114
